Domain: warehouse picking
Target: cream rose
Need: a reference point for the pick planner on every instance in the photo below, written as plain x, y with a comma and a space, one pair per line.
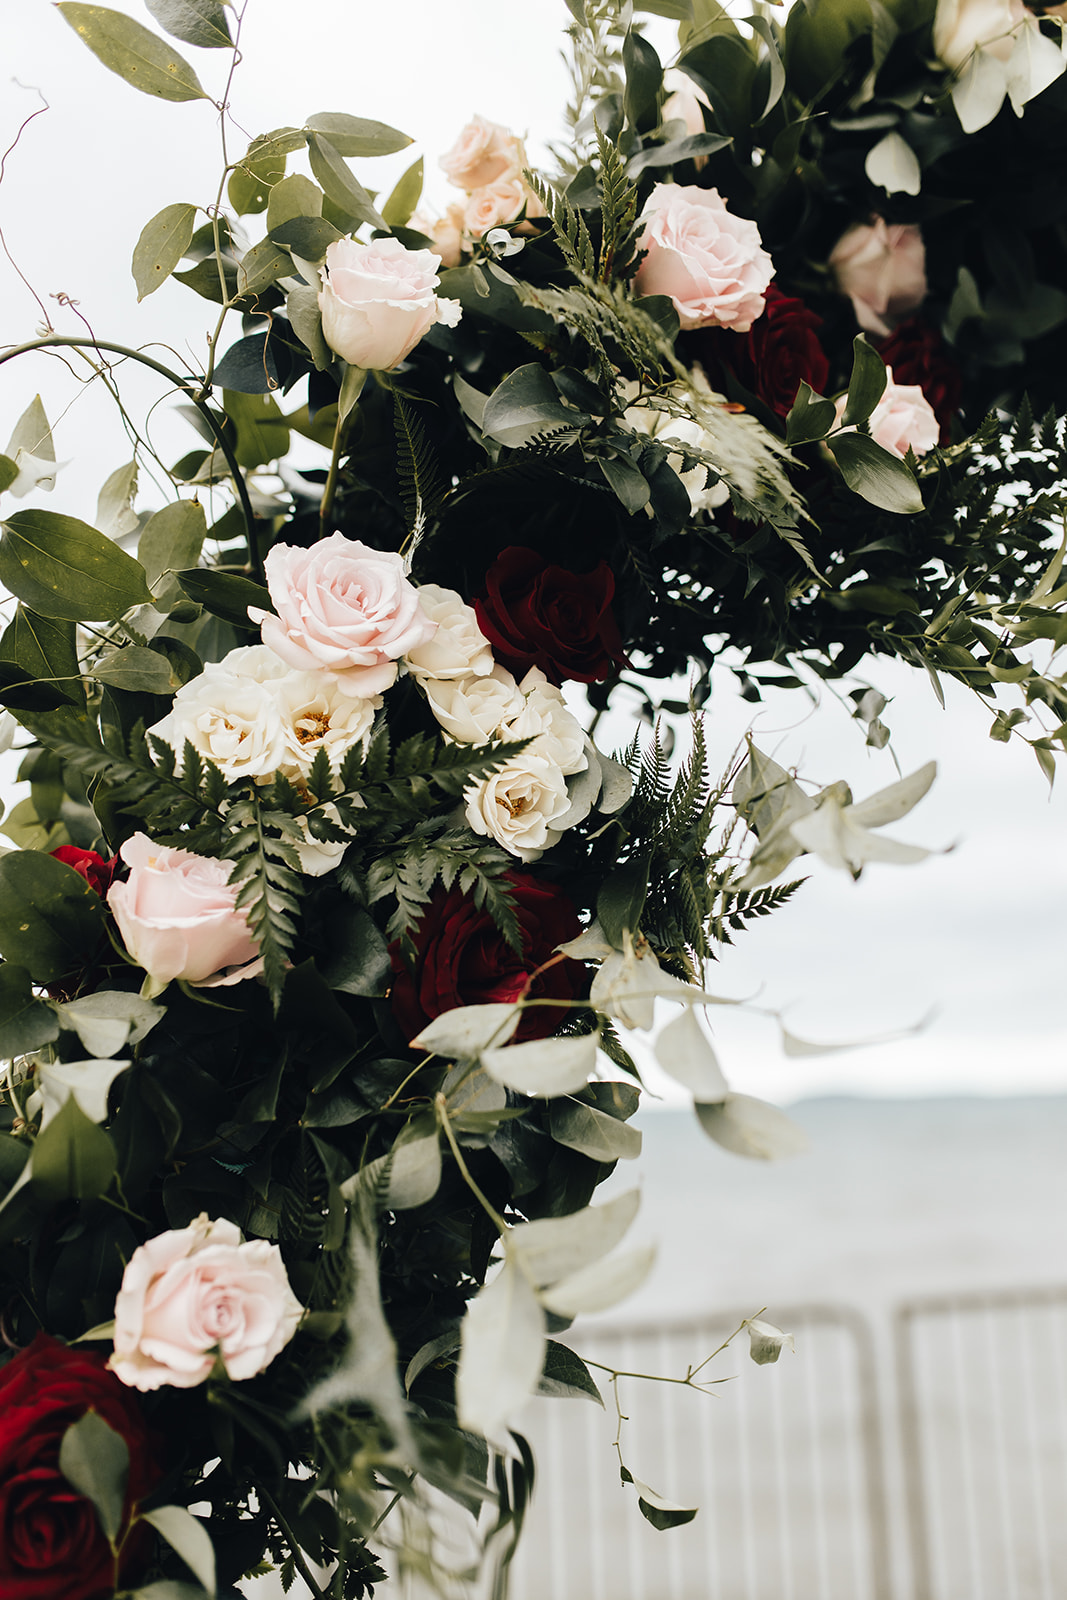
882, 269
459, 648
316, 715
343, 609
493, 205
557, 734
197, 1295
178, 918
517, 804
473, 710
903, 419
709, 262
484, 152
229, 716
377, 301
961, 26
705, 492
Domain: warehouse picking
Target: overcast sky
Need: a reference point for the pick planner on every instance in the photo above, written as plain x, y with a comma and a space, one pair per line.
975, 934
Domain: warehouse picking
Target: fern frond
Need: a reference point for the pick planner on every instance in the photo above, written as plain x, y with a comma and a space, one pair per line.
618, 209
418, 472
569, 226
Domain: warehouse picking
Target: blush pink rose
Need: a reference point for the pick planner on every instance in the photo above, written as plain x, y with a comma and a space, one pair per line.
882, 269
178, 918
709, 262
377, 301
902, 420
343, 609
197, 1295
484, 152
493, 205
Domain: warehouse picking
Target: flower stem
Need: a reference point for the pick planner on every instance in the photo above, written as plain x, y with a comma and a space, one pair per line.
351, 388
294, 1547
490, 1210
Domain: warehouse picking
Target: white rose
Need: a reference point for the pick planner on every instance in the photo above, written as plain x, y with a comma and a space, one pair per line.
377, 301
517, 804
459, 648
557, 734
473, 710
231, 719
316, 716
659, 425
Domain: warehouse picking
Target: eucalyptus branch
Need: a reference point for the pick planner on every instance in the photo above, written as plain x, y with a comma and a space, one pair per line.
441, 1107
186, 387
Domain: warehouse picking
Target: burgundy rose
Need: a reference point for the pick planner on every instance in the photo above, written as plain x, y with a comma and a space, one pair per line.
97, 872
51, 1544
462, 958
918, 354
779, 350
549, 617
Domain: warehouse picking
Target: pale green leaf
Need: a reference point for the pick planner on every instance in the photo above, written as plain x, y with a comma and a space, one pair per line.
466, 1031
547, 1067
584, 1128
115, 516
502, 1351
685, 1052
135, 53
555, 1247
600, 1286
199, 22
766, 1341
750, 1127
187, 1535
95, 1460
893, 165
162, 244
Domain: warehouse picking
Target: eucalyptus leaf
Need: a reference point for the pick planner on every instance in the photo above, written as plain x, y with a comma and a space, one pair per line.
63, 568
72, 1158
600, 1286
87, 1082
502, 1351
766, 1342
602, 1138
546, 1067
621, 900
685, 1053
32, 434
550, 1248
137, 669
339, 184
132, 51
95, 1460
258, 269
170, 542
466, 1031
307, 237
357, 136
295, 196
892, 165
224, 594
811, 417
199, 22
662, 1513
26, 1022
405, 196
9, 471
117, 1009
187, 1535
305, 318
115, 516
162, 244
750, 1127
44, 648
525, 404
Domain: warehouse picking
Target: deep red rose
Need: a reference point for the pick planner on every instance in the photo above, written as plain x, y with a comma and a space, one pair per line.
51, 1544
549, 617
97, 872
918, 354
781, 348
462, 958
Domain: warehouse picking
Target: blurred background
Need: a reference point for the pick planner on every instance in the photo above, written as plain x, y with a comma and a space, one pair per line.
915, 1443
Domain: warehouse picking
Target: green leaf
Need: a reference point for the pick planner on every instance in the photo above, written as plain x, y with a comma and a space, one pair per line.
621, 900
95, 1460
252, 181
161, 246
72, 1158
405, 196
136, 669
133, 52
582, 1127
61, 567
225, 594
867, 384
187, 1535
199, 22
525, 404
32, 433
8, 472
810, 418
51, 921
566, 1375
44, 648
307, 237
170, 542
262, 431
339, 184
26, 1023
644, 78
261, 266
869, 470
357, 136
295, 196
662, 1514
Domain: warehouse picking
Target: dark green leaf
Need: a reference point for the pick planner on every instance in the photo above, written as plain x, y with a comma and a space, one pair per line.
72, 1158
867, 384
225, 594
133, 52
95, 1460
44, 648
26, 1023
357, 961
525, 404
61, 567
627, 480
8, 473
357, 136
340, 185
644, 77
621, 900
871, 471
161, 246
261, 266
566, 1375
250, 366
51, 921
307, 237
199, 22
262, 431
811, 417
677, 150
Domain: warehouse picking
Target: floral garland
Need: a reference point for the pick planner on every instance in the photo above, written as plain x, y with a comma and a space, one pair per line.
327, 905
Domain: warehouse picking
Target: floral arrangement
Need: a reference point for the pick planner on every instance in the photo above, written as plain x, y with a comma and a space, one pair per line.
327, 904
